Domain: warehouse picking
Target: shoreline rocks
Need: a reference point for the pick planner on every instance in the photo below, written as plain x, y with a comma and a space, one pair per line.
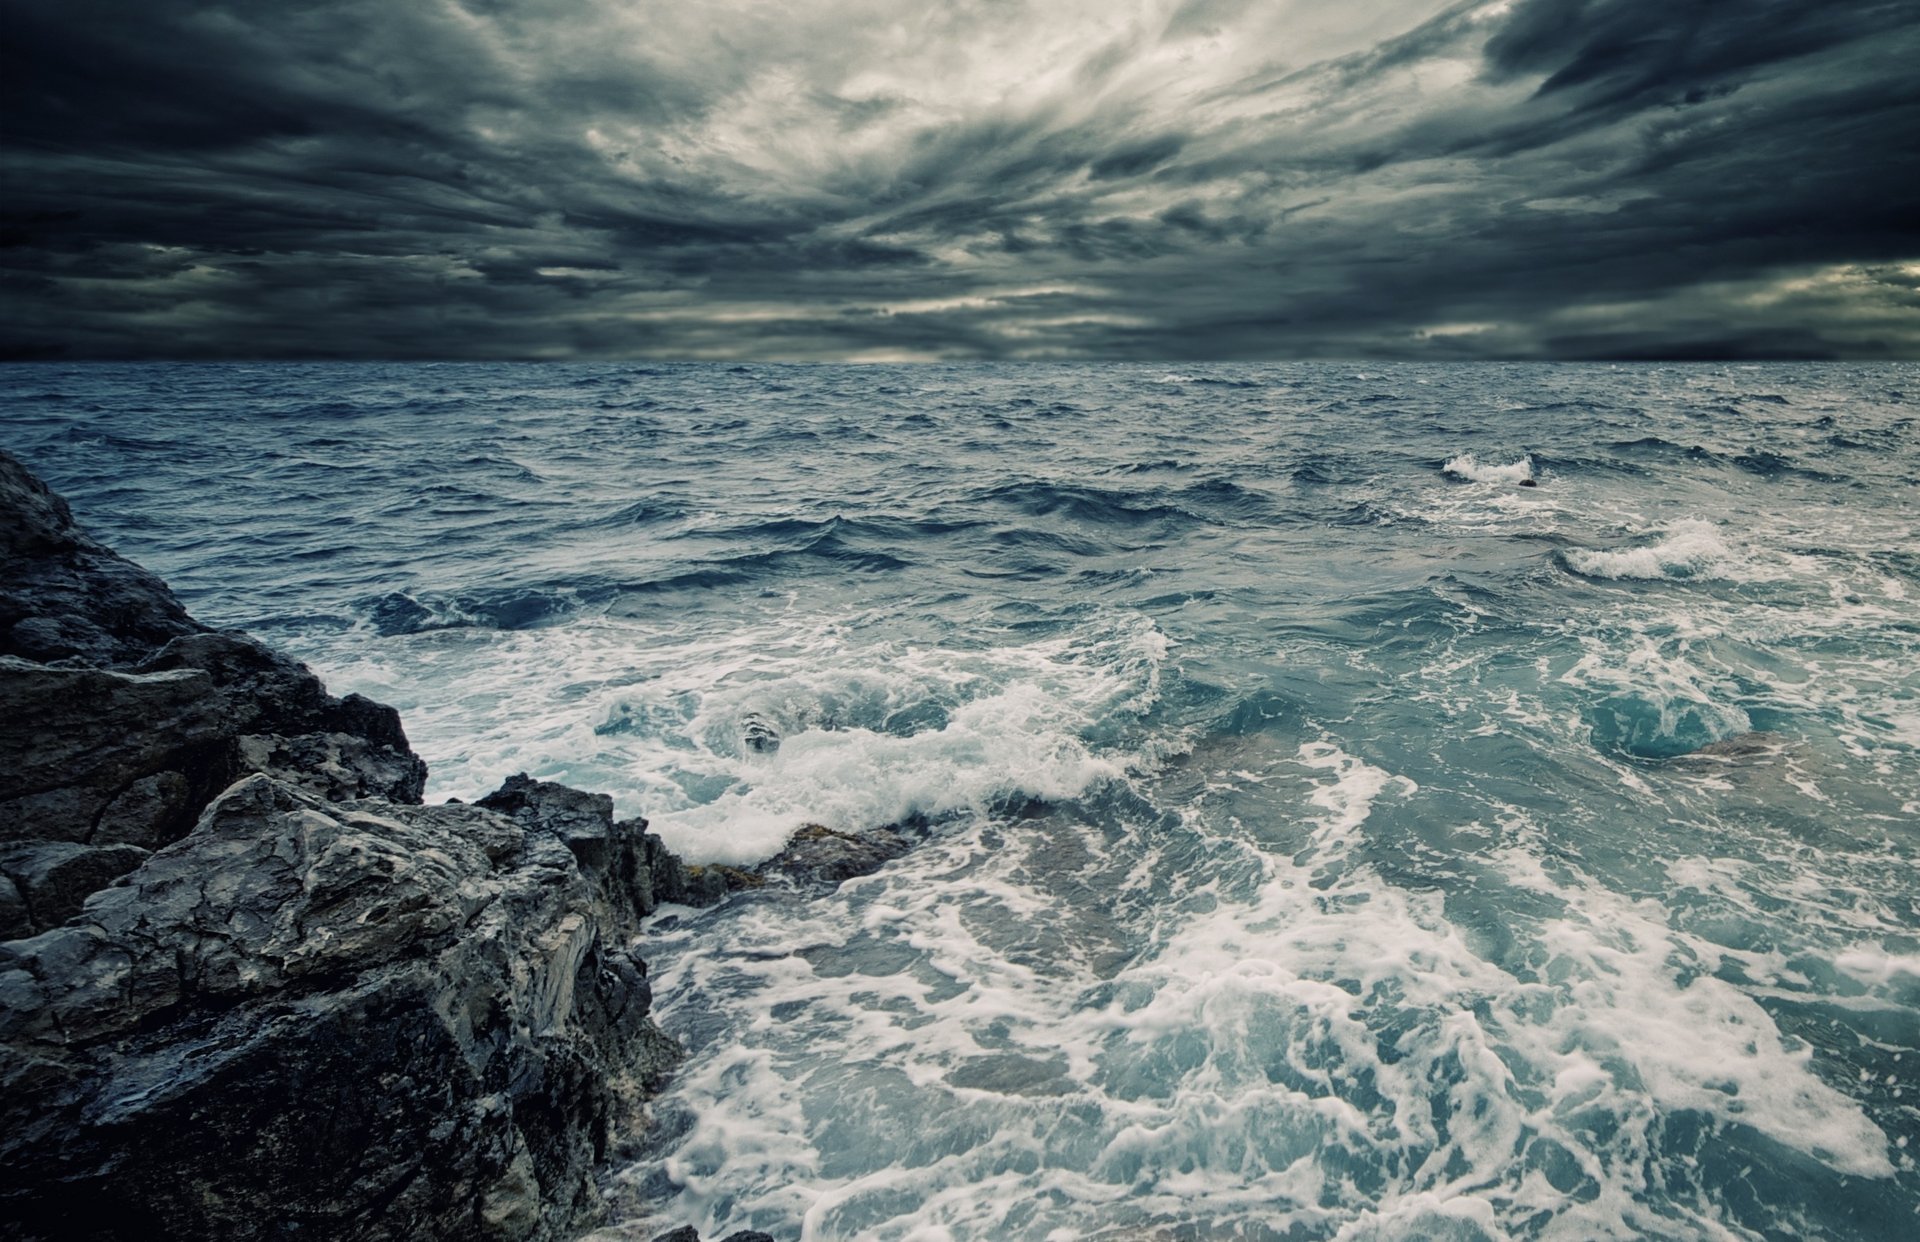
250, 986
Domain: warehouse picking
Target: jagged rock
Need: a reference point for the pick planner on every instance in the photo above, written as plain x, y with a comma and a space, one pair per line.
376, 1019
635, 868
65, 597
53, 878
108, 755
583, 820
337, 766
127, 716
608, 854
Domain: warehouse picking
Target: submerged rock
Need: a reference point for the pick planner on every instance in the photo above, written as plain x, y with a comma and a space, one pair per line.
1751, 747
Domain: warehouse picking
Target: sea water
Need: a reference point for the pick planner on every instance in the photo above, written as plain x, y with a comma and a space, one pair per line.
1322, 833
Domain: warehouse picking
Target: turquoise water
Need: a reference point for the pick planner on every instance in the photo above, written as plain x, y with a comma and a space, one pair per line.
1319, 841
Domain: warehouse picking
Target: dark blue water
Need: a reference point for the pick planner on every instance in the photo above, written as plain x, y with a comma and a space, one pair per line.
1321, 842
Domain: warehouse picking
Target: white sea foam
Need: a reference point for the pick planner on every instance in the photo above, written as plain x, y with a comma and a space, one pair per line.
868, 731
1295, 1046
1688, 549
1467, 466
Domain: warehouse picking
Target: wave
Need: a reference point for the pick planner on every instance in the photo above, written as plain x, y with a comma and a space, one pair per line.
398, 612
1691, 549
1094, 505
1467, 466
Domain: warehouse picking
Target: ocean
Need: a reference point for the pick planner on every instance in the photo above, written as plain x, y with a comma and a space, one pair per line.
1323, 834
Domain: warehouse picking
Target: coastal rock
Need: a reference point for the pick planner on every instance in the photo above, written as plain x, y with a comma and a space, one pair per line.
82, 741
126, 716
64, 596
249, 985
53, 878
15, 919
820, 858
337, 766
380, 1020
634, 868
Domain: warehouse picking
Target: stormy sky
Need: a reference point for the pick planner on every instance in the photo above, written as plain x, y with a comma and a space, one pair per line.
891, 179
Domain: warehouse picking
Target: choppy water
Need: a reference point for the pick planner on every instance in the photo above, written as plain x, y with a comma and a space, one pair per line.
1316, 843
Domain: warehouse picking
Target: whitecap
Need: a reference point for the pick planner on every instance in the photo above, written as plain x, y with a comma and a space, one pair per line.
1690, 549
1468, 467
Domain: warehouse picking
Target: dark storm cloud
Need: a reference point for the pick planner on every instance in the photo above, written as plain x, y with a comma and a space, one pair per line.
987, 178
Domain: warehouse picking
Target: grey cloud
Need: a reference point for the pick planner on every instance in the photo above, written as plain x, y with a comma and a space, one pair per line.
1216, 178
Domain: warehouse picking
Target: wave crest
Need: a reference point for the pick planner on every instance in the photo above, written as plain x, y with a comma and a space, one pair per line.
1467, 466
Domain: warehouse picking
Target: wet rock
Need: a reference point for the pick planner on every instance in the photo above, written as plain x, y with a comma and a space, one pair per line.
64, 596
265, 692
669, 880
612, 855
818, 857
381, 1020
337, 766
15, 920
125, 717
634, 867
83, 740
53, 878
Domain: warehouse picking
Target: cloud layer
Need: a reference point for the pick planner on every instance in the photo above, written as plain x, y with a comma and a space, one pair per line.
979, 178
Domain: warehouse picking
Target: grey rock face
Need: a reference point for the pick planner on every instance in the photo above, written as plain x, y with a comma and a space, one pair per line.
337, 766
80, 739
65, 596
377, 1020
633, 866
53, 878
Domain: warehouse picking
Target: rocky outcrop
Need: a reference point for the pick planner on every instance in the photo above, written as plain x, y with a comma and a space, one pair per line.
250, 986
373, 1019
124, 716
64, 596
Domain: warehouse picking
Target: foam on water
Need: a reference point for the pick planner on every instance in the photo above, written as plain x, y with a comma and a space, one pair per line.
1467, 466
865, 731
1299, 1045
1687, 549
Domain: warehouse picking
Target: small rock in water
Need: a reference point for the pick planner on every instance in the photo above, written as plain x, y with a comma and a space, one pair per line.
759, 735
1529, 483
